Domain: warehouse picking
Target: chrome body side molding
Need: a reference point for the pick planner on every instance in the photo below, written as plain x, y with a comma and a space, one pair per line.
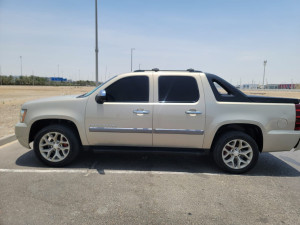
121, 130
146, 130
178, 131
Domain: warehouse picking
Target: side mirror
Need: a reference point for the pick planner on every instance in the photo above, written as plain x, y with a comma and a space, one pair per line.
101, 97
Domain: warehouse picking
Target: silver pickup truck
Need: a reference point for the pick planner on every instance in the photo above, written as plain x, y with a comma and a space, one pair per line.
188, 110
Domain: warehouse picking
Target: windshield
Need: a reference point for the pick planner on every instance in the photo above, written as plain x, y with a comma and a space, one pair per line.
95, 89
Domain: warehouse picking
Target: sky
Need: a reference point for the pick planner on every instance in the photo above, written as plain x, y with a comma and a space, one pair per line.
230, 38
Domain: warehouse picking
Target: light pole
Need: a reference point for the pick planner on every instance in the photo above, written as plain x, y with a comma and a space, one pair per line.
131, 57
265, 63
58, 70
21, 65
96, 37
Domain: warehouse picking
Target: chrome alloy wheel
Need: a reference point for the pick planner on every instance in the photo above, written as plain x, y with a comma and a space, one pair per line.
54, 146
237, 154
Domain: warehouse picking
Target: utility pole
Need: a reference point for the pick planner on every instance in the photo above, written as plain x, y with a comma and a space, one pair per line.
131, 57
265, 63
96, 47
58, 70
21, 65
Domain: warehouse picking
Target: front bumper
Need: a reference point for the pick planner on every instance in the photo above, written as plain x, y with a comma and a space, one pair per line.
22, 134
281, 140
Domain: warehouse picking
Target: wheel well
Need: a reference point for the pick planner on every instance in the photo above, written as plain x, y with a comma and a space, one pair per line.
250, 129
40, 124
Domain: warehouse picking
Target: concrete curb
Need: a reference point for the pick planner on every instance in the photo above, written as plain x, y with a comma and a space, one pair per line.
7, 139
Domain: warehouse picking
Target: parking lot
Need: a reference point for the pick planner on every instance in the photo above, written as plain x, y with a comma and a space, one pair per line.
146, 188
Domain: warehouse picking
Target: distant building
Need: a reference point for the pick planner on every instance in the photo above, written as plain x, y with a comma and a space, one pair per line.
271, 86
250, 86
287, 86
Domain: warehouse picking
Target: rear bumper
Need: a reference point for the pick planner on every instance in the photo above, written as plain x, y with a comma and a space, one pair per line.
22, 134
281, 140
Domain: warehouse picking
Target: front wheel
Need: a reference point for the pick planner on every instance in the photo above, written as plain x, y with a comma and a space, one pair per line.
235, 152
56, 145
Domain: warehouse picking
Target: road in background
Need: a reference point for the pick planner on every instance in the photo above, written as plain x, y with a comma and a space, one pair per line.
146, 188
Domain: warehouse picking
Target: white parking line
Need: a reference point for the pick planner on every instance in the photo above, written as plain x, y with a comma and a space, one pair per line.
42, 171
94, 171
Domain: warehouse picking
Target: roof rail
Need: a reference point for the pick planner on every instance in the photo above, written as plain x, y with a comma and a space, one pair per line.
156, 70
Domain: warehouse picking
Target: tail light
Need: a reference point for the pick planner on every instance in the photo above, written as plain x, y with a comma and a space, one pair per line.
297, 122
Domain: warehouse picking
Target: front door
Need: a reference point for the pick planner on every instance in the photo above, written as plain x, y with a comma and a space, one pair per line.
126, 117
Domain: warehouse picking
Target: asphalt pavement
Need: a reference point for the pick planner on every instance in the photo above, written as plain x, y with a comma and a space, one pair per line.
146, 188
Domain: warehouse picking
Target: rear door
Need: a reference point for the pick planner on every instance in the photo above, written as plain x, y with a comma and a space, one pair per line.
179, 110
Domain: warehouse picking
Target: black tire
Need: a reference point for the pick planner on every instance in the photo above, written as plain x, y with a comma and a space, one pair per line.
65, 146
237, 145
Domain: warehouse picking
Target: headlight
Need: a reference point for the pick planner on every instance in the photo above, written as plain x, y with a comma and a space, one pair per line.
22, 115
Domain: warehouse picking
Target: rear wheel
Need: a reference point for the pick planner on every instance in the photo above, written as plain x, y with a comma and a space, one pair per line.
56, 145
236, 152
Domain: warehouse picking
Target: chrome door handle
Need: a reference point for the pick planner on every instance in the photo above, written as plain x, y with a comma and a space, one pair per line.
193, 112
141, 111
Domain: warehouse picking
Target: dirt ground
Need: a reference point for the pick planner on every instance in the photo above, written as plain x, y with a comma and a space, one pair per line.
12, 97
278, 93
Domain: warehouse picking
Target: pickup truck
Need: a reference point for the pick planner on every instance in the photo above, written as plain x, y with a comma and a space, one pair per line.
188, 110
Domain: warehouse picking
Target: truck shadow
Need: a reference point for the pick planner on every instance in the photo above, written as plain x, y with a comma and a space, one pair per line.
268, 165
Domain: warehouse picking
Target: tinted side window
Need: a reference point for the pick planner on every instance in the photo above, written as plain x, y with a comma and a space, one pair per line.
177, 89
129, 89
220, 89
